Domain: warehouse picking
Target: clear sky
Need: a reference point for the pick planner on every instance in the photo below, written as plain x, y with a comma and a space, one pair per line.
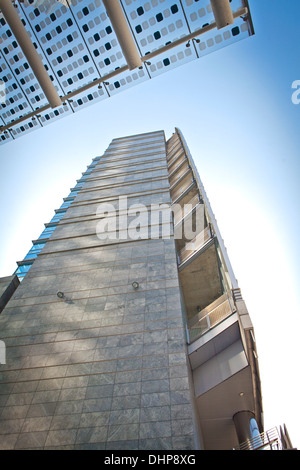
235, 110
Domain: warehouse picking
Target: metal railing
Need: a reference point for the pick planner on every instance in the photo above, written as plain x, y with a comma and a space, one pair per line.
177, 164
177, 175
194, 245
179, 152
273, 439
209, 317
176, 193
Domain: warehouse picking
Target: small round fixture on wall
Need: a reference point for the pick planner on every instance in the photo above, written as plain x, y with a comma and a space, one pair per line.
60, 295
135, 285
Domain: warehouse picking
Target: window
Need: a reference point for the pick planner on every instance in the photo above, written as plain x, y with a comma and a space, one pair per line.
235, 31
57, 216
23, 270
66, 204
47, 232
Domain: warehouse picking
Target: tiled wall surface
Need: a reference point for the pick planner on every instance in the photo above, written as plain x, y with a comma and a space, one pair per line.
104, 367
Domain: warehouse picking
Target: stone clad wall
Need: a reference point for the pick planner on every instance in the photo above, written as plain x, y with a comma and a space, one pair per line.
104, 367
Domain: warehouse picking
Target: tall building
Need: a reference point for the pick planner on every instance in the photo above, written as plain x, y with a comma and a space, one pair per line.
57, 57
128, 329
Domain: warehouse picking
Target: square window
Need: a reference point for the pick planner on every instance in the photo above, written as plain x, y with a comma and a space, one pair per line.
36, 12
159, 17
85, 11
166, 62
58, 29
49, 51
59, 59
96, 52
70, 37
37, 28
85, 58
52, 17
69, 53
85, 28
48, 36
69, 22
140, 11
174, 9
96, 37
107, 46
138, 28
107, 61
117, 84
235, 31
157, 35
70, 81
80, 76
108, 29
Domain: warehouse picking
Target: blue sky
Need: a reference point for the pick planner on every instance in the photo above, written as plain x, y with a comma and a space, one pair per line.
235, 110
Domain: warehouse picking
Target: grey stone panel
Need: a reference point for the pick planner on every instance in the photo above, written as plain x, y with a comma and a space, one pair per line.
105, 367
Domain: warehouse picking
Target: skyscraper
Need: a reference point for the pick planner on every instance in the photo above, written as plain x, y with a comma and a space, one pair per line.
129, 330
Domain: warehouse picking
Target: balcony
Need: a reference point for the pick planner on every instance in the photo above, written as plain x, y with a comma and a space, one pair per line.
178, 155
187, 182
179, 172
195, 245
209, 317
184, 209
273, 439
172, 148
177, 165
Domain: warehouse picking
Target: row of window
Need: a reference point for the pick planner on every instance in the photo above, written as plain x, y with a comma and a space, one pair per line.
37, 247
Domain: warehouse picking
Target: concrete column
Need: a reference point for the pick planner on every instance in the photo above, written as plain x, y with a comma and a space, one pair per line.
246, 426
